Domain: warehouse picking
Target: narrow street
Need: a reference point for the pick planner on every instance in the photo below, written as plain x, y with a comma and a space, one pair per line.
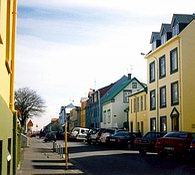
39, 159
95, 160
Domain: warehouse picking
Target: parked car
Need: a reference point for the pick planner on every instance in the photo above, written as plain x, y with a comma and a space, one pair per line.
90, 134
175, 143
122, 139
106, 133
147, 142
192, 148
79, 133
50, 136
95, 137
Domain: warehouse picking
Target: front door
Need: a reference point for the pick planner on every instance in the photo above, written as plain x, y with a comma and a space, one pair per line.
174, 120
175, 123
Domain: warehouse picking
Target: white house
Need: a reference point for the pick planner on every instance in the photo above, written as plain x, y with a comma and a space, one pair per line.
115, 102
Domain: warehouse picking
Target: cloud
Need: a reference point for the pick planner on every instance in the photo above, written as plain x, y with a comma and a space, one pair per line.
66, 47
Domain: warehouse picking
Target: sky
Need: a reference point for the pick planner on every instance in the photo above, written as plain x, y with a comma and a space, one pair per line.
66, 47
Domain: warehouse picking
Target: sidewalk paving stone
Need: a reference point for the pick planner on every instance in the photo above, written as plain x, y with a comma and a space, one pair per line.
39, 159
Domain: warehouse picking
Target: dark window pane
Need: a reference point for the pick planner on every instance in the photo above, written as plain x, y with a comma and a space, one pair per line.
162, 67
152, 100
152, 72
174, 94
163, 97
174, 61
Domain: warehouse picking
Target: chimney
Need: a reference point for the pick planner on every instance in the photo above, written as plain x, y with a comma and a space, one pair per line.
129, 76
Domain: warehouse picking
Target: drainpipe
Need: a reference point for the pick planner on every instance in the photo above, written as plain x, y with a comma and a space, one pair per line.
14, 15
180, 84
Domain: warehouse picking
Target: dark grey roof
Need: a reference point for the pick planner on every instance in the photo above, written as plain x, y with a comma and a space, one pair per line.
166, 27
155, 36
182, 18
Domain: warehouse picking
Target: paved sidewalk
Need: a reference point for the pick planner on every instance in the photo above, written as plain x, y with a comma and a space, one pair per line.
39, 159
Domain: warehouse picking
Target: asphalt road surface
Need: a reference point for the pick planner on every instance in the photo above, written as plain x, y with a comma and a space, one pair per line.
100, 160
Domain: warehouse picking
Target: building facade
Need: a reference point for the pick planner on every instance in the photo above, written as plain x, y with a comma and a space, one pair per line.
7, 54
170, 76
83, 102
116, 101
138, 120
74, 120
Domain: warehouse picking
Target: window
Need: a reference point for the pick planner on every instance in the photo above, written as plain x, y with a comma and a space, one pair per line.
142, 105
131, 126
154, 45
104, 117
173, 61
153, 124
152, 72
109, 115
1, 152
137, 104
162, 67
152, 100
134, 85
175, 30
174, 94
163, 38
163, 124
126, 94
142, 127
9, 152
163, 97
131, 106
138, 126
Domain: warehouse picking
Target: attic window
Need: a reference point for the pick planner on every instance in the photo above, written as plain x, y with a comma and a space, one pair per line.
154, 45
175, 30
163, 38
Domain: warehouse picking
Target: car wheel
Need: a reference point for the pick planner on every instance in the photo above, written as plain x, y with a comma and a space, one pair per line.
142, 152
129, 146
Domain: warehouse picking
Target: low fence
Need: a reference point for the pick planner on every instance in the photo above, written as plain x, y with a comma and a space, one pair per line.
59, 148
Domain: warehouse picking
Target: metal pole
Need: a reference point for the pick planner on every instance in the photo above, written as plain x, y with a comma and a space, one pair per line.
66, 146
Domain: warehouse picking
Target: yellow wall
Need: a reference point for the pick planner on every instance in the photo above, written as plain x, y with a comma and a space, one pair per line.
137, 115
185, 44
7, 49
188, 71
83, 114
166, 81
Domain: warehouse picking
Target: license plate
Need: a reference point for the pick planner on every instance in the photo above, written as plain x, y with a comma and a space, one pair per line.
169, 148
112, 140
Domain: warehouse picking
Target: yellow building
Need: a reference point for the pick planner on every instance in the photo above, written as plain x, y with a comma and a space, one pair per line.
7, 53
171, 84
138, 120
83, 102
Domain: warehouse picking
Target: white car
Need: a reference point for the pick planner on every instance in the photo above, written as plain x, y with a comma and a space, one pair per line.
79, 133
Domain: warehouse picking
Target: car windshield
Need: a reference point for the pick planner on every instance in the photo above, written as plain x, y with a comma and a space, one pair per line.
121, 134
177, 135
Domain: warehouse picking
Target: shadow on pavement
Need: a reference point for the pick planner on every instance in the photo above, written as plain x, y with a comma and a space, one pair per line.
49, 161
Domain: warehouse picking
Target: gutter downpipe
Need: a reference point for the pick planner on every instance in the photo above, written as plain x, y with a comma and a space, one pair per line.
12, 76
179, 60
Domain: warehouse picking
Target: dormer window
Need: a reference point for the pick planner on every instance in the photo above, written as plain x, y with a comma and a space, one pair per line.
175, 30
154, 45
163, 38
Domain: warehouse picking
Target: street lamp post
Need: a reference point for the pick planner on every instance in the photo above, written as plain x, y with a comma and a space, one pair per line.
65, 132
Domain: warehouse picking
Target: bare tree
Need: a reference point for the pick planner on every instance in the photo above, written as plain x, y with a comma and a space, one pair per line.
28, 103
